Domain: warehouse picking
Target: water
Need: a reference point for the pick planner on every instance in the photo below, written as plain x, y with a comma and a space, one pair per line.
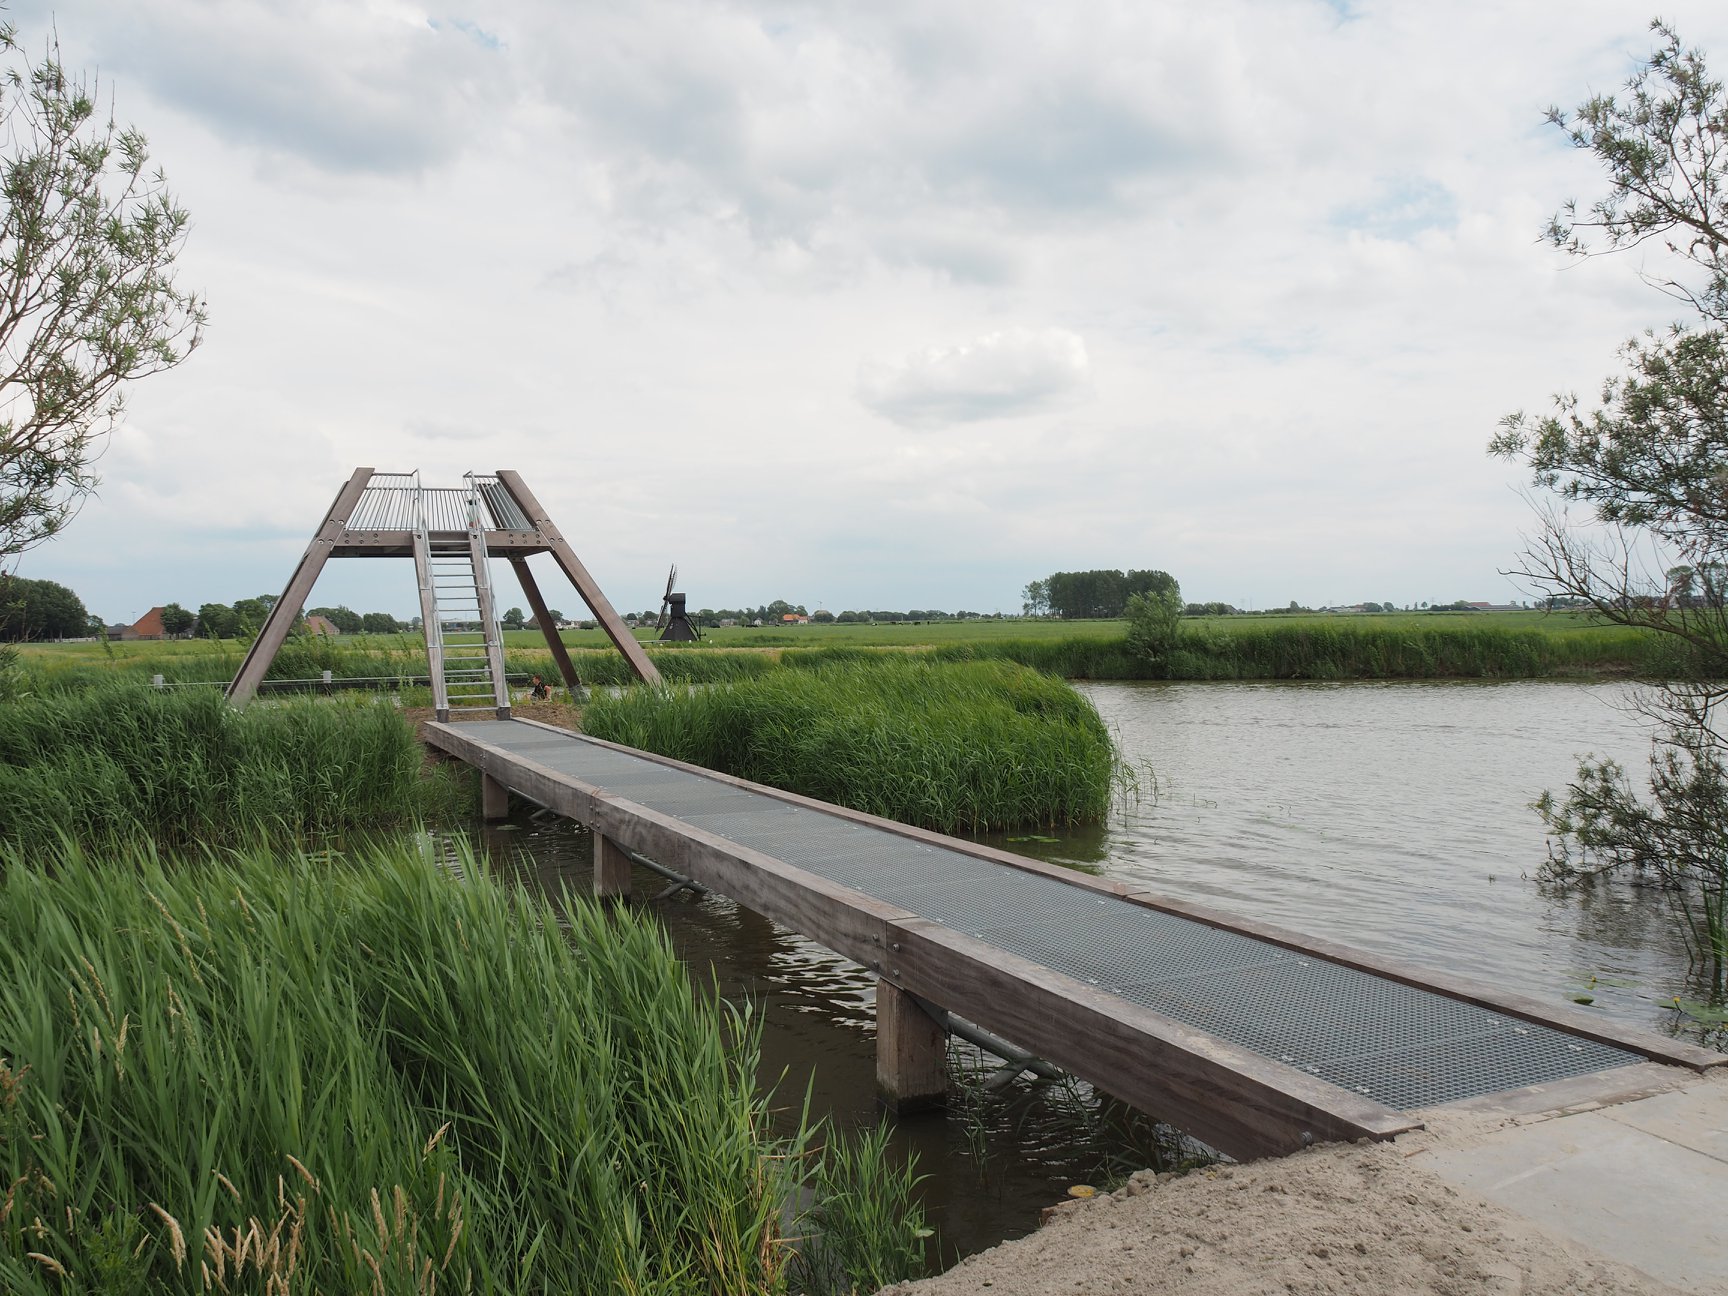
1390, 816
1395, 817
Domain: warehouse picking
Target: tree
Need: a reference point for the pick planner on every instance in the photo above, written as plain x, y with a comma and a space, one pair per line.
1097, 594
344, 618
249, 615
89, 235
177, 621
1154, 621
379, 623
1646, 465
1035, 599
217, 621
513, 619
39, 609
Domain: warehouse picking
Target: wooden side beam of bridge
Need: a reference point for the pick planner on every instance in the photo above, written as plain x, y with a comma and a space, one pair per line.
1237, 1101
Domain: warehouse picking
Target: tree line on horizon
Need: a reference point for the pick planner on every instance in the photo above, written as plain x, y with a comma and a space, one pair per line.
37, 610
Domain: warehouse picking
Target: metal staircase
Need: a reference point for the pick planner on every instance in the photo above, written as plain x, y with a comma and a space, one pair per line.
464, 648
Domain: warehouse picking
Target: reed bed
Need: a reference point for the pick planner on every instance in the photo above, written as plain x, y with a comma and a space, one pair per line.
958, 747
1313, 648
1472, 648
121, 763
302, 1074
1414, 646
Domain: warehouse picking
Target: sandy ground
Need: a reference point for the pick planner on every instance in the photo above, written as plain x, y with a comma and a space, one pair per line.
1355, 1220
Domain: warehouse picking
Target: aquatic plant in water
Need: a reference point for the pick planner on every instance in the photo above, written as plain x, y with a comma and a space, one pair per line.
127, 763
963, 746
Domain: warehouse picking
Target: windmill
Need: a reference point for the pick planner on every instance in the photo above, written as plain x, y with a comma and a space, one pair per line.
666, 598
673, 624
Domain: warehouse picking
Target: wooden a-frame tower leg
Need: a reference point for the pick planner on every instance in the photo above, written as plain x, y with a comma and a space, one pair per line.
609, 620
404, 519
543, 619
281, 619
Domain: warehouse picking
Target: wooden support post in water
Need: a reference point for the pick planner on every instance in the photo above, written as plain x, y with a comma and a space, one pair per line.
910, 1050
611, 867
494, 799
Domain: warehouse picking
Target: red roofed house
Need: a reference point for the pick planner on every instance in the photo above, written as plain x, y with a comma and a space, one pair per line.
321, 626
148, 626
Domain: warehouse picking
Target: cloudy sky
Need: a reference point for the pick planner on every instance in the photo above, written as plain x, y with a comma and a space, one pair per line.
863, 305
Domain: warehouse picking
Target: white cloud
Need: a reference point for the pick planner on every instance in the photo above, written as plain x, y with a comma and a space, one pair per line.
348, 88
1000, 375
637, 252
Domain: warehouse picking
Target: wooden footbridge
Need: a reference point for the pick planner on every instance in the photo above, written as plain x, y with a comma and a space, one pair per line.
1257, 1040
1254, 1039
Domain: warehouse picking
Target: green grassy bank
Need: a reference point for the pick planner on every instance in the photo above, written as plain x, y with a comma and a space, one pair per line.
958, 747
276, 1074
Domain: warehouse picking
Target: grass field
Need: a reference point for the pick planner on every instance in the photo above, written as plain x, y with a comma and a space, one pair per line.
1299, 646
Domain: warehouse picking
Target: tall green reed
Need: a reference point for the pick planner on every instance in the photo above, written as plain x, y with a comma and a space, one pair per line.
295, 1074
1345, 649
951, 746
128, 762
863, 1229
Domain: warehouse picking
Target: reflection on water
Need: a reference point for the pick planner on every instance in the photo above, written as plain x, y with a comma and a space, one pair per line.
1394, 817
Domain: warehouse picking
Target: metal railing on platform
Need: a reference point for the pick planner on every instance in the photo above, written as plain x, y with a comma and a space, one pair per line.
330, 682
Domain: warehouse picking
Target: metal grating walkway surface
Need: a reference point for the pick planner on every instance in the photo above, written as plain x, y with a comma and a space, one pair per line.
1399, 1045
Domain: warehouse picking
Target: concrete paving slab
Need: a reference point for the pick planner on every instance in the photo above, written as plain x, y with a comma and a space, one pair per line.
1696, 1118
1600, 1178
